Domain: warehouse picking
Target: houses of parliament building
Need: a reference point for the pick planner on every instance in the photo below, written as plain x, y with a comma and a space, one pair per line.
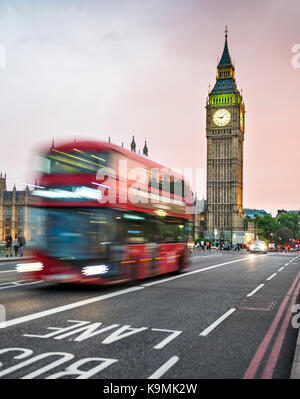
13, 211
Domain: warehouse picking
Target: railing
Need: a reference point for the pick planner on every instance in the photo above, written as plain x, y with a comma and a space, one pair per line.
28, 249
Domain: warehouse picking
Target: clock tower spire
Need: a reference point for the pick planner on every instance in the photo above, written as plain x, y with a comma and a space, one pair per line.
225, 137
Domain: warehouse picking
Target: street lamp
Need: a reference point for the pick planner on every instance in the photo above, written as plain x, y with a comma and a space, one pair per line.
215, 234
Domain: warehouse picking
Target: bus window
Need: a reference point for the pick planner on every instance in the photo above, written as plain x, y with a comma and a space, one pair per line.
173, 230
75, 233
130, 228
71, 162
152, 230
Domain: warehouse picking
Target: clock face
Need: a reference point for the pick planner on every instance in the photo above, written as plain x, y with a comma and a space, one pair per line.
222, 117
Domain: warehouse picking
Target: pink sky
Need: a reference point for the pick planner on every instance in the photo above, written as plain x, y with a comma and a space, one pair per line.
98, 68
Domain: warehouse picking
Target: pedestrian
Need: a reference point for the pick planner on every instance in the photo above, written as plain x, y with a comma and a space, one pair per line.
22, 243
16, 246
8, 245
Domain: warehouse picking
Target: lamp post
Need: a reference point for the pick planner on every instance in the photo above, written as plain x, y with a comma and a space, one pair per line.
234, 237
215, 234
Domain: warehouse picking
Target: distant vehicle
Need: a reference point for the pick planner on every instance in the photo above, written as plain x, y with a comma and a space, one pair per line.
272, 247
258, 246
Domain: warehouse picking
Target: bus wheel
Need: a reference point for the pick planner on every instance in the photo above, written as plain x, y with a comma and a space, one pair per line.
180, 262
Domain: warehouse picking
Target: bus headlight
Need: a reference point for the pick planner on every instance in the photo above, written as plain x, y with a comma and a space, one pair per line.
29, 267
94, 270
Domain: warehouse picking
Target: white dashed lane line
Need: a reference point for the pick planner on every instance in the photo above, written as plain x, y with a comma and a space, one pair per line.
270, 278
217, 322
164, 368
255, 290
229, 312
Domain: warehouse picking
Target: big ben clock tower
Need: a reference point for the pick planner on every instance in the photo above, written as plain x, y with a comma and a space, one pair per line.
225, 136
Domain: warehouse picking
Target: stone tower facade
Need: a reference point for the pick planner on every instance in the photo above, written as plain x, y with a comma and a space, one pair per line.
225, 128
14, 217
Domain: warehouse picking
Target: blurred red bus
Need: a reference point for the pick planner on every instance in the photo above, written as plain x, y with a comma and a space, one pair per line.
102, 214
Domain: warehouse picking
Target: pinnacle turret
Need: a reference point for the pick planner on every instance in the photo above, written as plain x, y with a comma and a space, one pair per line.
145, 150
133, 145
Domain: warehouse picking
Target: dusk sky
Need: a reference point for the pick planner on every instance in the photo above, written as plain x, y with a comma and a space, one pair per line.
94, 68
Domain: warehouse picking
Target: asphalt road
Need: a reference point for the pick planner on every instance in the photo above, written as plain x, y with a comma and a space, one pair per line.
227, 317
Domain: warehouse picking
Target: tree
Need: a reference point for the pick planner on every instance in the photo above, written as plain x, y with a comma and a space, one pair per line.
247, 220
266, 226
283, 236
290, 221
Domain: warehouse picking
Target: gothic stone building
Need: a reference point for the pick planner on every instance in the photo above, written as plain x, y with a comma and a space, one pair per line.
13, 211
225, 112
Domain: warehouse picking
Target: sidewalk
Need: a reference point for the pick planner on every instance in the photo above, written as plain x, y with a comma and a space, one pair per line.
213, 250
295, 372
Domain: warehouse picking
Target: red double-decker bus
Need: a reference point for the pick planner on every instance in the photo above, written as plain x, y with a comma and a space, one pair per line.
102, 214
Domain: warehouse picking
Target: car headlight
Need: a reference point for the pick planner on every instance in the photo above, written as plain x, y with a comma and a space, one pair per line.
251, 247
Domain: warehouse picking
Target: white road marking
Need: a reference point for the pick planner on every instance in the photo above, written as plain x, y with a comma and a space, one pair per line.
38, 315
270, 278
281, 269
170, 338
8, 282
165, 367
196, 271
217, 322
15, 284
255, 290
7, 271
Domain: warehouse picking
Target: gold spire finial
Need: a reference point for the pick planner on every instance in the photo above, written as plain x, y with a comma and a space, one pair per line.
226, 32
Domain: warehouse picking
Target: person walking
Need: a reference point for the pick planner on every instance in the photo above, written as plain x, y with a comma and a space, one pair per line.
16, 246
22, 243
8, 245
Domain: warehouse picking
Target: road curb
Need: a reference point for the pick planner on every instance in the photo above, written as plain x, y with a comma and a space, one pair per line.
295, 372
8, 260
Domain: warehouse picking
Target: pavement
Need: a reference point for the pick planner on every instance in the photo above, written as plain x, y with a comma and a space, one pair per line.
295, 372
